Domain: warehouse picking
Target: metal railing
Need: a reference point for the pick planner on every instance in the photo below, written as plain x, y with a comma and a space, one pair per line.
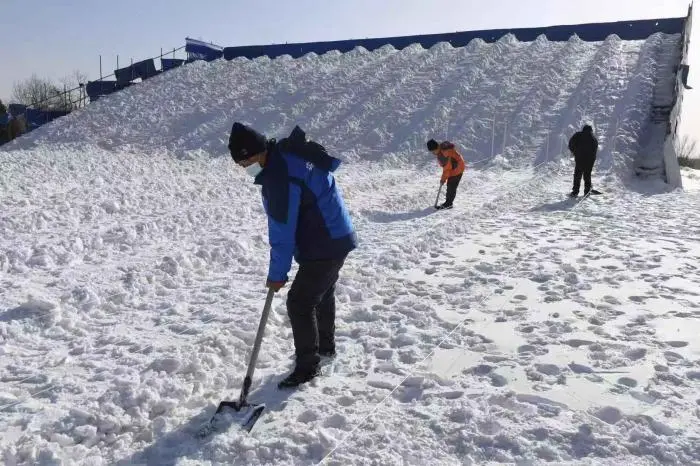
75, 98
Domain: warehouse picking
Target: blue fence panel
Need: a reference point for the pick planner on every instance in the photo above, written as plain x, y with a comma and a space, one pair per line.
36, 118
96, 89
592, 32
198, 50
170, 63
143, 69
16, 109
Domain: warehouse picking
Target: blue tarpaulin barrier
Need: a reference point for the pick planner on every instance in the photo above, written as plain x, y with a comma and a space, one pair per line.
198, 50
16, 109
170, 63
97, 89
36, 118
592, 32
143, 69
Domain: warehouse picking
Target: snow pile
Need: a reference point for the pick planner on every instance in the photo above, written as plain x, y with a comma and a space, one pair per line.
519, 100
517, 327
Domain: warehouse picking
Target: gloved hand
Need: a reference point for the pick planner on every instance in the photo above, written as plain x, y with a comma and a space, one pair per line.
275, 286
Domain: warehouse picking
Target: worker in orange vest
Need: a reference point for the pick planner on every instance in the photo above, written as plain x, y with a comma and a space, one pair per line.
453, 167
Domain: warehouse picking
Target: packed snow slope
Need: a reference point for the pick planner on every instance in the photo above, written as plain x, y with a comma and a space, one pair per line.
370, 106
517, 327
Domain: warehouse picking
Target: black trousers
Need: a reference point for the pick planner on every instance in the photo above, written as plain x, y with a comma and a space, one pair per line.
311, 310
584, 168
452, 183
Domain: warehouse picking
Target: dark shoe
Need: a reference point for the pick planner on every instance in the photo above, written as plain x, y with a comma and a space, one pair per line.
299, 376
573, 194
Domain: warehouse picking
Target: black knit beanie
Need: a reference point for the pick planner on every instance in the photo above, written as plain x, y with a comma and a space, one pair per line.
432, 144
245, 142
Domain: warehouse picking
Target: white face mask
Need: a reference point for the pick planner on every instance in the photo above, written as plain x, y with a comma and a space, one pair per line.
254, 169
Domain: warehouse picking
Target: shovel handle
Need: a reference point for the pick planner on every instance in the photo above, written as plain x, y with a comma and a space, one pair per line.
437, 198
256, 347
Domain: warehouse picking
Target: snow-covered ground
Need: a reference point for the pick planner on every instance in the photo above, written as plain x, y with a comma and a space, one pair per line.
519, 326
691, 179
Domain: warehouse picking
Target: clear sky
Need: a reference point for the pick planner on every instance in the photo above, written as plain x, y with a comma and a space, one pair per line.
54, 37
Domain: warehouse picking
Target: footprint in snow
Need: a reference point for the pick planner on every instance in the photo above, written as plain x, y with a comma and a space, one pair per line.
552, 297
307, 417
485, 268
336, 421
345, 401
611, 300
575, 342
517, 311
497, 380
627, 382
596, 321
580, 368
532, 350
441, 262
609, 414
481, 369
673, 357
451, 395
548, 369
384, 354
527, 328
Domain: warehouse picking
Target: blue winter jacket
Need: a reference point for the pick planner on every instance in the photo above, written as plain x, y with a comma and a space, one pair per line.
307, 218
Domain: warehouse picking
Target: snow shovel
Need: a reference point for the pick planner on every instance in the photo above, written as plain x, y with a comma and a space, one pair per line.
246, 414
437, 198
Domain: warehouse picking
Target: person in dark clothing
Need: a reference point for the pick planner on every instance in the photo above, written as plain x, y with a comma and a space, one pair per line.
453, 167
307, 221
584, 147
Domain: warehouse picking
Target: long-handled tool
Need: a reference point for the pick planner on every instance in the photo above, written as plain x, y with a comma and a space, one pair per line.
245, 413
437, 198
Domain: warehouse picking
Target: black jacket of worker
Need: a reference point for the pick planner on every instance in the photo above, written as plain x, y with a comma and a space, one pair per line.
584, 147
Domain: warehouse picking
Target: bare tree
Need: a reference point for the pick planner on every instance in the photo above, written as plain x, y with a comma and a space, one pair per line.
38, 93
74, 86
43, 94
686, 147
687, 152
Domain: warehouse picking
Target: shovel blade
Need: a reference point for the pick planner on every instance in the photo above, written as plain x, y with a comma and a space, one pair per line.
231, 413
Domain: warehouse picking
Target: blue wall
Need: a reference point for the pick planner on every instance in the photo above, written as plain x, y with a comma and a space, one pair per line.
594, 32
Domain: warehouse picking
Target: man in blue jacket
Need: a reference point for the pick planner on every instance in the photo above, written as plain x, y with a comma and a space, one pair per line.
307, 221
